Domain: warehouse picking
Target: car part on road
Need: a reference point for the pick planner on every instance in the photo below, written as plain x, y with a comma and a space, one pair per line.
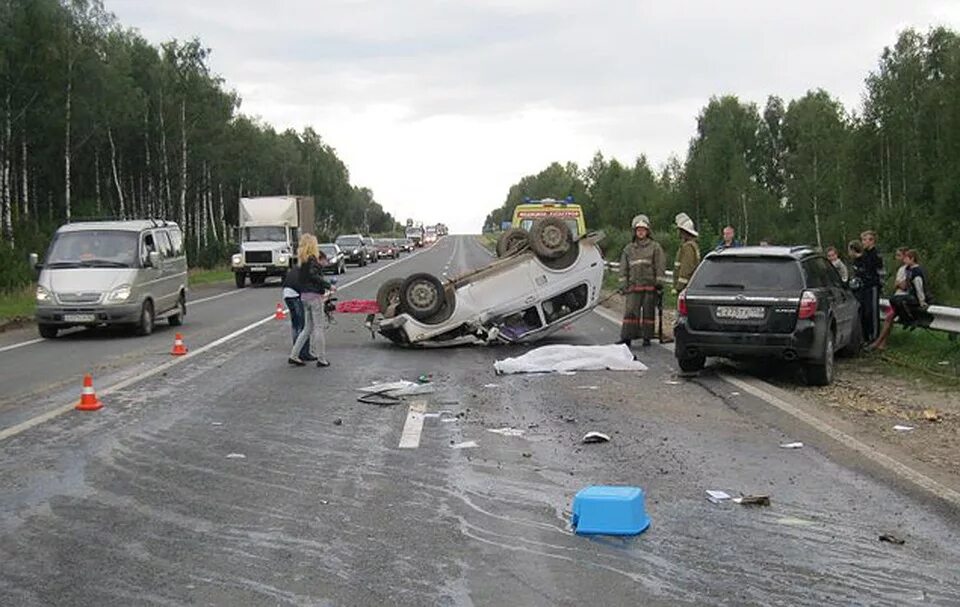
609, 510
512, 241
752, 500
716, 496
595, 437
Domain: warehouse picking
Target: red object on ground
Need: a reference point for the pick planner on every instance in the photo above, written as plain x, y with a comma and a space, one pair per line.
88, 398
358, 306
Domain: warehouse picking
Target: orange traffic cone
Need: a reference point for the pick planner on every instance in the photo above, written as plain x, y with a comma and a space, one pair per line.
88, 398
179, 349
280, 315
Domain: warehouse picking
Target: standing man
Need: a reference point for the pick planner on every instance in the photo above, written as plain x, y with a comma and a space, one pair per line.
872, 280
688, 257
642, 268
729, 239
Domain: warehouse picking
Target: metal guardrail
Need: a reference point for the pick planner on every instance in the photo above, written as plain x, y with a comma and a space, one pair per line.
945, 319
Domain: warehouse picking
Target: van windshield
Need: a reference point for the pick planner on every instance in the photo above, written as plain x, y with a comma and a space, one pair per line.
94, 248
265, 234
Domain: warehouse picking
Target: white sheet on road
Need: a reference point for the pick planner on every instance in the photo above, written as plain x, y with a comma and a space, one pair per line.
566, 358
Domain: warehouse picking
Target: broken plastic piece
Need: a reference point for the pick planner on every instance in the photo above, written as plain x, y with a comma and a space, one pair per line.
469, 444
716, 496
506, 431
902, 428
796, 445
379, 398
236, 456
595, 437
753, 500
892, 539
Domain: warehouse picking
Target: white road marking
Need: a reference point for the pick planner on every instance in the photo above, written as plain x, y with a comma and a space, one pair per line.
193, 302
881, 459
43, 417
413, 427
21, 344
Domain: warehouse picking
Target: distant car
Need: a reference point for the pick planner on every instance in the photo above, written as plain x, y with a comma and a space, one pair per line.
356, 249
386, 248
336, 262
786, 303
529, 293
403, 244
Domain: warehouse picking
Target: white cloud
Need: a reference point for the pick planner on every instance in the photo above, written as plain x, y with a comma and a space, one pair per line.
440, 106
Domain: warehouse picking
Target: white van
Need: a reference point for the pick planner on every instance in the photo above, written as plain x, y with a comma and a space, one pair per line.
112, 273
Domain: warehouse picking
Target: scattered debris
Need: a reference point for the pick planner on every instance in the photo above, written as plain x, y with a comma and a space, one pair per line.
236, 456
527, 454
380, 399
567, 358
796, 445
338, 422
566, 372
506, 431
488, 386
932, 415
588, 388
673, 382
470, 444
399, 388
216, 423
795, 522
902, 428
734, 394
595, 437
717, 497
753, 500
567, 418
324, 502
892, 539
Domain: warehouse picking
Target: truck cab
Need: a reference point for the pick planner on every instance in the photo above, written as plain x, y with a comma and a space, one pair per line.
270, 229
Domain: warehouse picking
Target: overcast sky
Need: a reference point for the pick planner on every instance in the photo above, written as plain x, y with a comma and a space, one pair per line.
439, 106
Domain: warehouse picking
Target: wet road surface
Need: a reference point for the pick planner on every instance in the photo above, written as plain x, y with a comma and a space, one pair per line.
139, 503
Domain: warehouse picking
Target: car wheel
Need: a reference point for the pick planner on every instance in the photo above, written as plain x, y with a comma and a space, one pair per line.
145, 324
691, 364
176, 320
856, 341
389, 293
511, 241
550, 238
564, 261
421, 295
240, 278
820, 373
48, 331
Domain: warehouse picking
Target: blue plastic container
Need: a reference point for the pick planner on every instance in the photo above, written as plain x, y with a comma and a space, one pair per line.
606, 510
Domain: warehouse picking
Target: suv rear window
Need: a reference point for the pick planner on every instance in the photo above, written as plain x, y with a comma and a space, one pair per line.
748, 274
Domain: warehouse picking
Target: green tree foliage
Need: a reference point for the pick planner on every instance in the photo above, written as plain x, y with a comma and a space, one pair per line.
803, 172
97, 122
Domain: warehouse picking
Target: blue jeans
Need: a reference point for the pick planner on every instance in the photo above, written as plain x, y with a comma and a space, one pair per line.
296, 323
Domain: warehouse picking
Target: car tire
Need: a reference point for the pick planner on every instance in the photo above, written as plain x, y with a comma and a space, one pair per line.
550, 238
511, 241
48, 331
421, 295
145, 324
692, 364
820, 373
855, 344
240, 278
564, 261
387, 292
175, 320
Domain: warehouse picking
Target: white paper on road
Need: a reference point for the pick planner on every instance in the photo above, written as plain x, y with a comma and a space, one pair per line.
797, 445
902, 428
717, 496
566, 358
470, 444
506, 431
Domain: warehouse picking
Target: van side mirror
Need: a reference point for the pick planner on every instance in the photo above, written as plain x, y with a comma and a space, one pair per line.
154, 259
34, 261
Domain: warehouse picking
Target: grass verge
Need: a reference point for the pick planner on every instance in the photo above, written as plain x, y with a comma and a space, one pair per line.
489, 241
17, 304
204, 276
921, 352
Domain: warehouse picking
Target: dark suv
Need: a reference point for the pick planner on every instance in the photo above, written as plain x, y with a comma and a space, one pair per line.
357, 249
784, 303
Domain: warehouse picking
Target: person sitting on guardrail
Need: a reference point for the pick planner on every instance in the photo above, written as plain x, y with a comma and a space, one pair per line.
642, 270
313, 286
908, 307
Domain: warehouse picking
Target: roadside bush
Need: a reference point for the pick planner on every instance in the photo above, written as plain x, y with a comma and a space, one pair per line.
15, 271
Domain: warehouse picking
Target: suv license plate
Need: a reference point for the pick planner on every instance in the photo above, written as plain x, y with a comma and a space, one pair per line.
741, 312
79, 317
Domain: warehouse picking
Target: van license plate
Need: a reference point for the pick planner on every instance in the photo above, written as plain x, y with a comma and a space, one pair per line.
741, 312
79, 317
258, 269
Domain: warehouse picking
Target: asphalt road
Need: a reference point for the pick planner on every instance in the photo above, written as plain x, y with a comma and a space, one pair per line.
139, 503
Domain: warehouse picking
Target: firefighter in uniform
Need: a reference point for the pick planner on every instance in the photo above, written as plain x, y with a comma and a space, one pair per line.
642, 268
688, 256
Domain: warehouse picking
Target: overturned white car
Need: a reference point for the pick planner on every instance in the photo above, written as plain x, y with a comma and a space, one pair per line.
542, 281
